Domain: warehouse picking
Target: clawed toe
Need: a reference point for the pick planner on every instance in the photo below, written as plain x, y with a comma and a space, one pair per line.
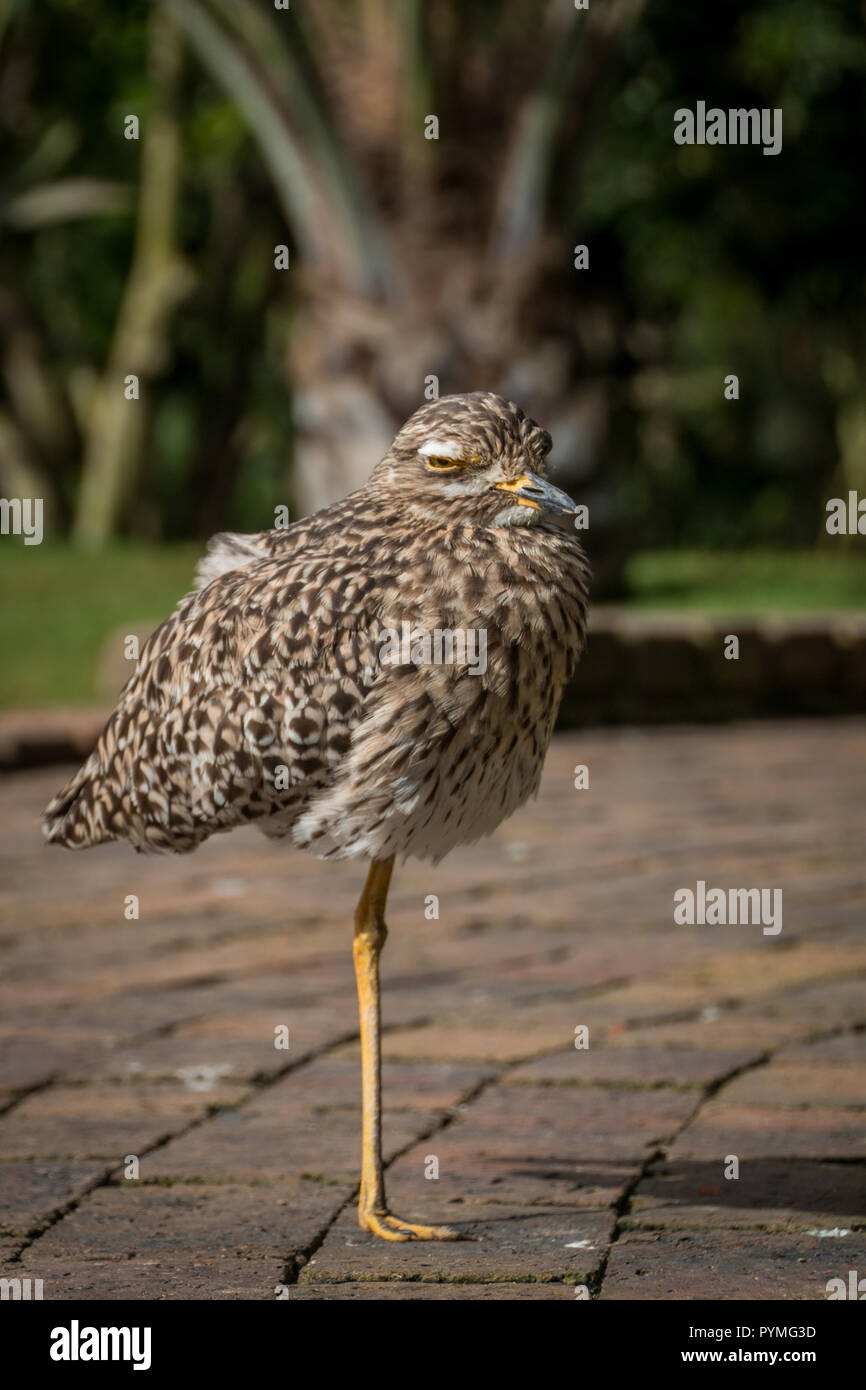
388, 1227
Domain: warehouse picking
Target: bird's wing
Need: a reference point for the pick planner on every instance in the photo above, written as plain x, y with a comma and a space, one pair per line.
232, 550
241, 705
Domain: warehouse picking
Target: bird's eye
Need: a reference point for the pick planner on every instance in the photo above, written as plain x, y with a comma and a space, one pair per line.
443, 465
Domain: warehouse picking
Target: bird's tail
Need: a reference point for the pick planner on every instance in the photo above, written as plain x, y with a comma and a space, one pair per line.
76, 816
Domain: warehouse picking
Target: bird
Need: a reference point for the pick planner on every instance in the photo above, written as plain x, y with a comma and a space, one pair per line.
301, 686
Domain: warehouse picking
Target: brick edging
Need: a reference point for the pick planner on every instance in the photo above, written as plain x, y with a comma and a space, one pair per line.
665, 668
639, 668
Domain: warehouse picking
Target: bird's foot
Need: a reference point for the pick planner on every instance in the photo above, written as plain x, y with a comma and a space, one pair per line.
382, 1223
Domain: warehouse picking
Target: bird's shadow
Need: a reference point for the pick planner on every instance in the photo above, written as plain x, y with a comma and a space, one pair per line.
763, 1191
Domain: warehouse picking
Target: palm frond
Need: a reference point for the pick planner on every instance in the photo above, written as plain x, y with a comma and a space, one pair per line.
317, 202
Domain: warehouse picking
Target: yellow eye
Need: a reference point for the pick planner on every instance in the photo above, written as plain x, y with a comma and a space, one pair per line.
443, 465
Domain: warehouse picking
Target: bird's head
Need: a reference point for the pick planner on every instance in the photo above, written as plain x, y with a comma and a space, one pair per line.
474, 458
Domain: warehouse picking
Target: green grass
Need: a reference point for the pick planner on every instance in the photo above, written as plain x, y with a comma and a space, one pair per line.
59, 605
759, 581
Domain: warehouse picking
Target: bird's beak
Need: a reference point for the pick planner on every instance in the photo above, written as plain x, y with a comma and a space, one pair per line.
531, 491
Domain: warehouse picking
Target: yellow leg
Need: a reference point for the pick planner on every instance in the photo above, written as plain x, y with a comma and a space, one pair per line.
370, 933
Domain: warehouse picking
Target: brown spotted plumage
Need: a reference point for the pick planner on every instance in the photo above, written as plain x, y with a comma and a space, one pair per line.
264, 697
271, 695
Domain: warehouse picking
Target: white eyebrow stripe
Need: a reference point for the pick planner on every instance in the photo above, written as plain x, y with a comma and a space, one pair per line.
442, 448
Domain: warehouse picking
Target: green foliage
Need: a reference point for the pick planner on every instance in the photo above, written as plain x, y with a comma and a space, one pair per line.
71, 71
722, 260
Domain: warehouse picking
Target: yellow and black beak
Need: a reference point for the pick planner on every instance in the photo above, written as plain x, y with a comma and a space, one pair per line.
531, 491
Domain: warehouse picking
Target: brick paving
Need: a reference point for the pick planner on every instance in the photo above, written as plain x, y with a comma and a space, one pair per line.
155, 1143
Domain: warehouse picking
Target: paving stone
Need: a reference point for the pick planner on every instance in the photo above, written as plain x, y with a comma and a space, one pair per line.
154, 1278
233, 1047
425, 1086
9, 1248
199, 1064
30, 1057
471, 1041
309, 1122
725, 1266
537, 1146
262, 954
104, 1121
714, 1029
512, 1177
135, 1014
832, 1004
790, 1195
239, 1147
753, 1132
841, 1051
799, 1083
31, 1192
744, 974
583, 1123
129, 1220
499, 1244
417, 1291
564, 916
639, 1066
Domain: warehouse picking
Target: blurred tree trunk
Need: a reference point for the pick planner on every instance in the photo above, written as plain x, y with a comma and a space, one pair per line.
358, 369
481, 306
37, 433
422, 263
158, 280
